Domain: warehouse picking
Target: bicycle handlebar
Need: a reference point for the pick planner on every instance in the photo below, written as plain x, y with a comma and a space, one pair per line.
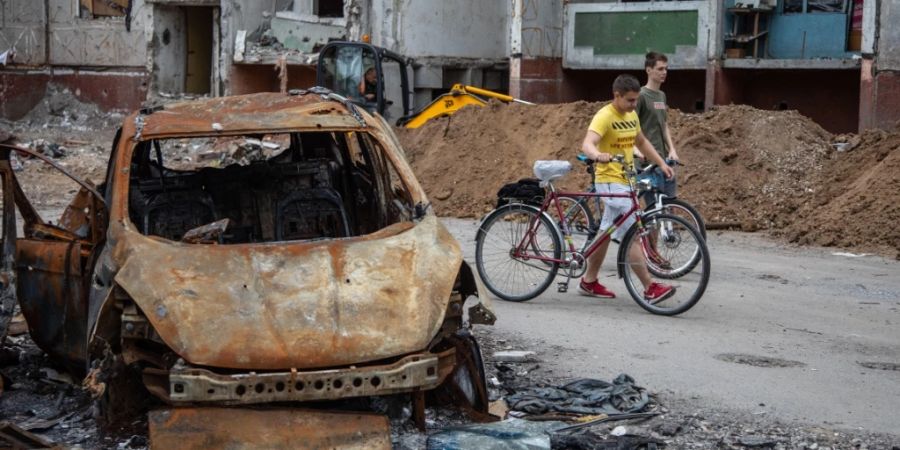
616, 158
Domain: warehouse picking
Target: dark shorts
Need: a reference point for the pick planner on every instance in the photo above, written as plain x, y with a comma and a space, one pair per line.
667, 187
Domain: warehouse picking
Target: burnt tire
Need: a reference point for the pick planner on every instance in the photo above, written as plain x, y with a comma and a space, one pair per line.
124, 397
466, 385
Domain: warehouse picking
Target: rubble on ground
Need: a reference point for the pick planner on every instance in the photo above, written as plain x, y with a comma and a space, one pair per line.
41, 400
62, 108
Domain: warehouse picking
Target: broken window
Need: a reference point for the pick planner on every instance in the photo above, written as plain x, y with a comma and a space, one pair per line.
263, 188
90, 9
815, 6
835, 6
793, 6
329, 8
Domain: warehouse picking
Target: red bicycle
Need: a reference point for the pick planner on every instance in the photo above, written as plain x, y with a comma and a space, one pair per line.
520, 248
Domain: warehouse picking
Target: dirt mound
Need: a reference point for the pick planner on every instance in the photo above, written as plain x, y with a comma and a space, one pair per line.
858, 203
743, 165
749, 166
464, 159
754, 169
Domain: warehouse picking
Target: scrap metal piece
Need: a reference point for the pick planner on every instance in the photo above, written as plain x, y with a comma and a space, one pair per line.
204, 428
19, 438
84, 184
341, 295
206, 234
189, 384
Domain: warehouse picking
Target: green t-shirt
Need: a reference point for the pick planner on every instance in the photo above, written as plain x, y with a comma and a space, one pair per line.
652, 112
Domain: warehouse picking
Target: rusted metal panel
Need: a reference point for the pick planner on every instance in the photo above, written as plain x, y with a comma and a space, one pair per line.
51, 295
294, 304
254, 112
224, 428
421, 371
7, 248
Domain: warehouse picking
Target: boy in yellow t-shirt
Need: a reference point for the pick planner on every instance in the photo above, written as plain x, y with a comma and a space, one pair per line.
615, 130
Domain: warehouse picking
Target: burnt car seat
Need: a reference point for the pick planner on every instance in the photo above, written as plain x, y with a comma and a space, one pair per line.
311, 214
173, 213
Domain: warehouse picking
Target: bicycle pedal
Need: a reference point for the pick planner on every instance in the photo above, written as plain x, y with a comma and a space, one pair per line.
562, 287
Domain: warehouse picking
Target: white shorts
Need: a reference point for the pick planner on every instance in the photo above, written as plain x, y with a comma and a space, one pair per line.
613, 207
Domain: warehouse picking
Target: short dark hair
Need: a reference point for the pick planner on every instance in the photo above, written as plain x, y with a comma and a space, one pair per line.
626, 83
650, 59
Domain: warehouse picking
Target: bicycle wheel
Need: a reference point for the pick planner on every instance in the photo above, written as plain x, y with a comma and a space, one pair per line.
517, 278
683, 209
578, 218
661, 237
689, 287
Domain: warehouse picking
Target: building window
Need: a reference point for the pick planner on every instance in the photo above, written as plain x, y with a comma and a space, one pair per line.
329, 8
815, 6
91, 9
793, 6
835, 6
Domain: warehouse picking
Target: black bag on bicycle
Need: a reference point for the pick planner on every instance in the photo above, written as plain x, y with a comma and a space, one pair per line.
526, 190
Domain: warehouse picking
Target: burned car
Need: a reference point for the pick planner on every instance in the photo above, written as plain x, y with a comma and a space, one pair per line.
264, 249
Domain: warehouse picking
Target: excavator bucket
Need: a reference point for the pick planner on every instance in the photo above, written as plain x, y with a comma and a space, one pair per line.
207, 428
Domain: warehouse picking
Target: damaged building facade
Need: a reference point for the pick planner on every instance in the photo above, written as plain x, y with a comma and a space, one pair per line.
118, 57
765, 53
834, 61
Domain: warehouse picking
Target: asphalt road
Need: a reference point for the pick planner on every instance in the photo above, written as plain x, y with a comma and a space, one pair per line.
800, 334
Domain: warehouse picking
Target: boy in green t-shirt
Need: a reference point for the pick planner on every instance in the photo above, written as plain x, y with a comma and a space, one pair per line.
616, 130
652, 110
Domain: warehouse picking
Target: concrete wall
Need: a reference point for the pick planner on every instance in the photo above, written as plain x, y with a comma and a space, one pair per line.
440, 28
889, 36
536, 41
880, 80
97, 42
97, 59
542, 29
73, 41
24, 29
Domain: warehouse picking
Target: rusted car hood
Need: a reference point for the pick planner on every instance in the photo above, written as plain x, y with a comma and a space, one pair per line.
293, 304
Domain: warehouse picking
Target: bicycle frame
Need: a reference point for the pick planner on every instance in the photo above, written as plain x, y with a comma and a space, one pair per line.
552, 199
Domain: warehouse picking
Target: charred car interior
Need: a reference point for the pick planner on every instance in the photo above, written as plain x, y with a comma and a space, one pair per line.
315, 185
295, 260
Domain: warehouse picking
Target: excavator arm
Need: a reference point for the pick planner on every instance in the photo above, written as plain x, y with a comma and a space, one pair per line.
447, 104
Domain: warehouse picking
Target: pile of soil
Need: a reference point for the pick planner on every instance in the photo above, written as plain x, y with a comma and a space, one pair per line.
462, 160
858, 202
745, 168
748, 166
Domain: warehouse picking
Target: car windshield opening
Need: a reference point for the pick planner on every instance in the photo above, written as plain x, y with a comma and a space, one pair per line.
265, 188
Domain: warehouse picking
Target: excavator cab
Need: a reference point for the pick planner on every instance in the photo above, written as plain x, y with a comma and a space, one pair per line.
342, 68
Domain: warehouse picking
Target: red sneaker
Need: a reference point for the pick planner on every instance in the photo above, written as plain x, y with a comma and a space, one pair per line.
658, 292
595, 289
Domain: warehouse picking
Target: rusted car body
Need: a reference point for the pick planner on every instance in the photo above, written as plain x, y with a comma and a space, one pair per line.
316, 271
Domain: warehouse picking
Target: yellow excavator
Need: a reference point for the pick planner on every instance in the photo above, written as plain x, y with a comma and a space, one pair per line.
458, 97
342, 67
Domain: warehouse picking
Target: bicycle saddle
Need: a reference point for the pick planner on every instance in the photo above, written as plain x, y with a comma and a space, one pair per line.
551, 170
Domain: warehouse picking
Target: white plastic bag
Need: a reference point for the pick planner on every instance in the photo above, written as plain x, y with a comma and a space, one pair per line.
551, 170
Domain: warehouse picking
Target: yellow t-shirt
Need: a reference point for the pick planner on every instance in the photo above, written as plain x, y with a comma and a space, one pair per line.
617, 134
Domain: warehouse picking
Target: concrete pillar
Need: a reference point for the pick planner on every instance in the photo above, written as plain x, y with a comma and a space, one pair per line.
713, 69
515, 49
879, 102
